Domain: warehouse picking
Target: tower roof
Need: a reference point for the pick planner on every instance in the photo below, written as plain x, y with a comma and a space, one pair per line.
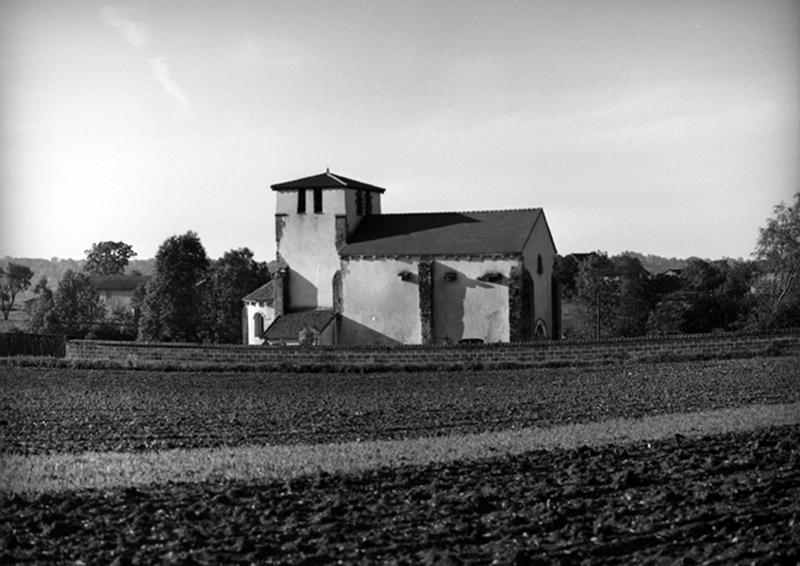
326, 180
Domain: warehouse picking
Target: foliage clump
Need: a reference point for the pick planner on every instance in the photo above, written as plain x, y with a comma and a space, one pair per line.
108, 258
229, 279
172, 301
13, 279
777, 289
74, 309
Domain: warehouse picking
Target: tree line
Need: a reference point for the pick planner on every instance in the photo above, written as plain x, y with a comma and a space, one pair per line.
616, 297
189, 297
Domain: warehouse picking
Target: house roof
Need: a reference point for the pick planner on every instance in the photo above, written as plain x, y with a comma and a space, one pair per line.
289, 325
118, 282
263, 294
444, 233
325, 180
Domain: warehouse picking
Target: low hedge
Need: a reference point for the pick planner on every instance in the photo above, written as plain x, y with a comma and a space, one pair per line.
22, 344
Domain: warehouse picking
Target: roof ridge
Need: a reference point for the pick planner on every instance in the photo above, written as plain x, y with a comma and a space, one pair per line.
527, 209
335, 178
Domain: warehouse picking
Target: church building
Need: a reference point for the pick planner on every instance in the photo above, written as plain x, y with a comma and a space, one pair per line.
348, 274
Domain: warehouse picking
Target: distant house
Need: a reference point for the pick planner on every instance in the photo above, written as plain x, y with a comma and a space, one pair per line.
352, 275
672, 273
117, 290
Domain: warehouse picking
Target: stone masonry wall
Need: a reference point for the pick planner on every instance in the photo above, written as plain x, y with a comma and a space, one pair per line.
425, 278
534, 354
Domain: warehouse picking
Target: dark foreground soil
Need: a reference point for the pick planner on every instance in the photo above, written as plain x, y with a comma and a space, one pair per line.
63, 410
723, 499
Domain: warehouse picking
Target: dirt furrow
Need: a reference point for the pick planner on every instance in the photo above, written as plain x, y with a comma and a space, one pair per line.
730, 498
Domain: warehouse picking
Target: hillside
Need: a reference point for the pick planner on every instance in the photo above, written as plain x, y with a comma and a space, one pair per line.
54, 269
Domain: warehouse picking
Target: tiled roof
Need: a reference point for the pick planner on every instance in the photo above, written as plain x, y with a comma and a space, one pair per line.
445, 233
118, 282
325, 180
262, 295
289, 325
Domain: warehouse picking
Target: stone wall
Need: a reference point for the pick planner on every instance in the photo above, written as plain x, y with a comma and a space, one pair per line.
536, 354
425, 278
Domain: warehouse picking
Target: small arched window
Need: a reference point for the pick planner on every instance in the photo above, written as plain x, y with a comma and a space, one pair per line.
539, 264
258, 325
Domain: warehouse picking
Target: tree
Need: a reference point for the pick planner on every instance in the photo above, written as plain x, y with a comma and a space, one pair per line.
108, 258
76, 307
13, 280
706, 296
733, 295
171, 309
667, 317
632, 308
611, 295
700, 280
42, 312
565, 272
778, 251
596, 291
230, 278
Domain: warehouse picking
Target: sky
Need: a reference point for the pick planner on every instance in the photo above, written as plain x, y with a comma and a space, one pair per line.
667, 127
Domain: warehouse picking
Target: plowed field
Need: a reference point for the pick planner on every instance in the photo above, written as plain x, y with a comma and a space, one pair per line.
79, 410
726, 498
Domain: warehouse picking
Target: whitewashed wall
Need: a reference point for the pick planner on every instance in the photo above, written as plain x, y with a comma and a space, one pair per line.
467, 307
378, 306
250, 310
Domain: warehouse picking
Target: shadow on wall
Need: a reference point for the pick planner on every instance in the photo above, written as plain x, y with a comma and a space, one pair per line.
352, 333
449, 295
303, 293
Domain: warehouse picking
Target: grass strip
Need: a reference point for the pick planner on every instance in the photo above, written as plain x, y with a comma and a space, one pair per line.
104, 470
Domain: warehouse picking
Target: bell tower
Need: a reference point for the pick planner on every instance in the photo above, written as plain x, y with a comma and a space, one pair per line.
314, 217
